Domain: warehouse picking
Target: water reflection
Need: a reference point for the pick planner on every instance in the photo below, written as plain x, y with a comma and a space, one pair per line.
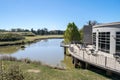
68, 62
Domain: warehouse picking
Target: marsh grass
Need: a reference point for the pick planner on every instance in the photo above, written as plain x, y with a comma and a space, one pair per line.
8, 58
10, 37
25, 60
29, 39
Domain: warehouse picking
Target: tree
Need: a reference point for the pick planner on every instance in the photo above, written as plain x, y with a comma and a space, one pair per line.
26, 30
13, 30
32, 30
71, 34
92, 23
45, 31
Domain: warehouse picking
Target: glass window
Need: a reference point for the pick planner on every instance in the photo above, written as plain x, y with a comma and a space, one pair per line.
104, 42
118, 43
94, 39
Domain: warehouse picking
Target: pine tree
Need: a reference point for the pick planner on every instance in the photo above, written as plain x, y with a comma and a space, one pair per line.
71, 34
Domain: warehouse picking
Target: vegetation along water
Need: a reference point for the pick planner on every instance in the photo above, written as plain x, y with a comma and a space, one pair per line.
40, 57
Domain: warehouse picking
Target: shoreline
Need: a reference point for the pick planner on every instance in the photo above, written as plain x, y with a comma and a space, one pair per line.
30, 39
29, 61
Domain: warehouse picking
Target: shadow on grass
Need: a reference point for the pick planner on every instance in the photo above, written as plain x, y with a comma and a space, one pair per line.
97, 70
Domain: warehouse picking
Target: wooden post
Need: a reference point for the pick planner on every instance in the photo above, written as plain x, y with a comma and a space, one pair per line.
76, 63
86, 66
83, 65
73, 60
65, 50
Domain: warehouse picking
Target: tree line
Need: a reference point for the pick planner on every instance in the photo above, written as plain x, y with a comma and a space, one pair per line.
43, 31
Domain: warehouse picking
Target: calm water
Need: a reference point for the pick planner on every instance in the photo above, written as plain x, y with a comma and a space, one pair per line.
47, 51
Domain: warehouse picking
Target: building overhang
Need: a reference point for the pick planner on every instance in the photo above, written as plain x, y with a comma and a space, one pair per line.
107, 24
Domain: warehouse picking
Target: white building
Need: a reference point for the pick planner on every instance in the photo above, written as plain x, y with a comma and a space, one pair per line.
106, 38
102, 51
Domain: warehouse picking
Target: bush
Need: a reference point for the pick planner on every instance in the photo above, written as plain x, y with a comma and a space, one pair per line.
10, 37
12, 72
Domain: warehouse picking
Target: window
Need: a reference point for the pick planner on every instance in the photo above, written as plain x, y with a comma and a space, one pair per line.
94, 39
118, 43
104, 42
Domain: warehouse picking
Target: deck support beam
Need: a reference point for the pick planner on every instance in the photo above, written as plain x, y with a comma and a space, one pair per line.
75, 61
65, 50
87, 66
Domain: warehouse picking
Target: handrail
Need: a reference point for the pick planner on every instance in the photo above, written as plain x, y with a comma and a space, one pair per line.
101, 61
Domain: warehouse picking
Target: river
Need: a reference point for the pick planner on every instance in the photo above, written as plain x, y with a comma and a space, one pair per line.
47, 51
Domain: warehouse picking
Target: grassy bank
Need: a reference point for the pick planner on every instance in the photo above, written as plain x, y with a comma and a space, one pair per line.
29, 39
33, 71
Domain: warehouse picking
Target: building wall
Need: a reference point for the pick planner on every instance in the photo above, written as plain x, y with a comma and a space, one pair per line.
112, 29
87, 34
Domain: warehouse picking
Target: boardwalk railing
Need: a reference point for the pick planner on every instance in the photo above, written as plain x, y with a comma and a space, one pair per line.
97, 60
62, 44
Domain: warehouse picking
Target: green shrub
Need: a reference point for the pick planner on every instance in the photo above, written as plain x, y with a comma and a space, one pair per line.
11, 72
14, 73
10, 37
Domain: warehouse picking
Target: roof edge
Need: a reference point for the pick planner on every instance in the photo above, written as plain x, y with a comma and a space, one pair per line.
107, 24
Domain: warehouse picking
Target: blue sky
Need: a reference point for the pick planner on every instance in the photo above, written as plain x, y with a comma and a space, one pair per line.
56, 14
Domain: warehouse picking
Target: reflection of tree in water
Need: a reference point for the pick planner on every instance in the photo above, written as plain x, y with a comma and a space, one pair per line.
9, 49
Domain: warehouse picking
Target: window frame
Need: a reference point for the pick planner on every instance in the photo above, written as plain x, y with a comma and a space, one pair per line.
117, 43
94, 38
104, 41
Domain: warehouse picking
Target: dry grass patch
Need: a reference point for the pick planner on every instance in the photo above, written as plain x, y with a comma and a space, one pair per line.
33, 70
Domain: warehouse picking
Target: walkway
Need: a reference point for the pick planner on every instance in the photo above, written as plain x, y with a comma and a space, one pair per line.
104, 62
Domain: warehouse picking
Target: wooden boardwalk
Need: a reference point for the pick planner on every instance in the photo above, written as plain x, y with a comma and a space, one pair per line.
100, 61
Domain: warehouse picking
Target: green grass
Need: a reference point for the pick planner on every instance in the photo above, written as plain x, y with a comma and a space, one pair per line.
9, 49
43, 37
47, 73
